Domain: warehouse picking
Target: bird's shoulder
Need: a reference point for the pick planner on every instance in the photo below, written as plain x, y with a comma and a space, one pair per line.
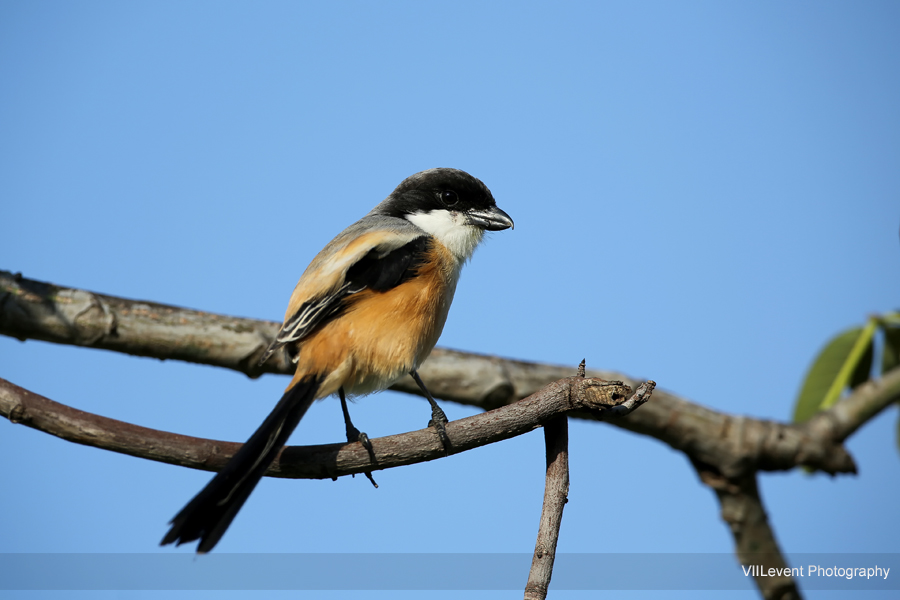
371, 238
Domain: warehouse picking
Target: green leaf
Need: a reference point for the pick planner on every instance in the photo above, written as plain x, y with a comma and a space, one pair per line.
841, 358
890, 358
863, 370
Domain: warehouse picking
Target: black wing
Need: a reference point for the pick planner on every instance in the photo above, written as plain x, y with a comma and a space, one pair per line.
377, 270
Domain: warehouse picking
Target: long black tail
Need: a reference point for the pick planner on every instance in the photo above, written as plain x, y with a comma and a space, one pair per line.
209, 514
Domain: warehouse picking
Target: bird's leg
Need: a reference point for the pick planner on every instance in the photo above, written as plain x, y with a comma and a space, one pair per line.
355, 435
438, 418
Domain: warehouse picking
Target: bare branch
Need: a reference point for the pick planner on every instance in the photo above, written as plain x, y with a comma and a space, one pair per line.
556, 494
754, 540
556, 486
727, 450
311, 462
734, 444
841, 420
42, 311
639, 398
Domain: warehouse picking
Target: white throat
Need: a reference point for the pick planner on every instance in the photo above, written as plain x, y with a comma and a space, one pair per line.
452, 229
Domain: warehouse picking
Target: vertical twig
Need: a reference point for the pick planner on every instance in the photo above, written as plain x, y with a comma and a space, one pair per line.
556, 491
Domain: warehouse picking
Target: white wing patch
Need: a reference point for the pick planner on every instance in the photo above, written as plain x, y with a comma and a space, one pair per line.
309, 315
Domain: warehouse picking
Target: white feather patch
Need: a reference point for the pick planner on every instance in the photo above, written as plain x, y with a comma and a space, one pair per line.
452, 229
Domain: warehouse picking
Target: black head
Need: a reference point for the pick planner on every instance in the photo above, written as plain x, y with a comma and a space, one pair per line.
449, 190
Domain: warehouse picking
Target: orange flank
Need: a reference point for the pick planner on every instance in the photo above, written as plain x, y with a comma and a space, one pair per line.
382, 335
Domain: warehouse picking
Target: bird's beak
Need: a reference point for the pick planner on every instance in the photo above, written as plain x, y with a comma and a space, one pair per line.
491, 219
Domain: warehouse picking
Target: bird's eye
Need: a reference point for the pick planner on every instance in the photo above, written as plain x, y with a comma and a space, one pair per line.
449, 197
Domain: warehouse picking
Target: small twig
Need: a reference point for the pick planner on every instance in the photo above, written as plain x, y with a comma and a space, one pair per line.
556, 483
640, 396
556, 494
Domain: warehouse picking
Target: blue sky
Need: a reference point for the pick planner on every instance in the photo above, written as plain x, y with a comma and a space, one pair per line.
703, 194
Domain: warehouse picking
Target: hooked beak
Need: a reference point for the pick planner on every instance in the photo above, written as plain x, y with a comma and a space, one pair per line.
491, 219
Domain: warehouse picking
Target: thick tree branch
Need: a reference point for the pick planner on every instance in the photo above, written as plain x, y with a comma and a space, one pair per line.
727, 450
843, 419
734, 444
42, 311
323, 461
755, 544
738, 494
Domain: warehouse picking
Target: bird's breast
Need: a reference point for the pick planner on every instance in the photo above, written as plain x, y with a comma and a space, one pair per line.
383, 336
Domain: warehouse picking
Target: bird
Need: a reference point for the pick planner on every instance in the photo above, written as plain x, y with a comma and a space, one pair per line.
367, 311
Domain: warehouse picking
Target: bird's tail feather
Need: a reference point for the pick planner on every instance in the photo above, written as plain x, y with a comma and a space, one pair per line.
209, 514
